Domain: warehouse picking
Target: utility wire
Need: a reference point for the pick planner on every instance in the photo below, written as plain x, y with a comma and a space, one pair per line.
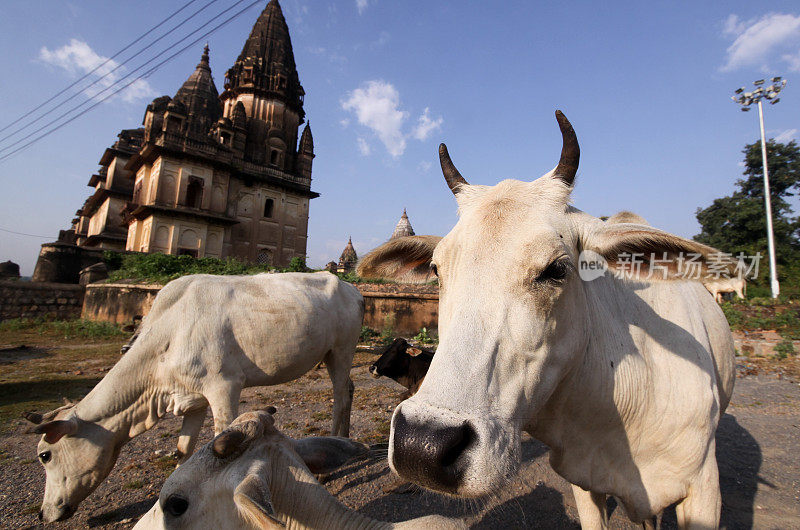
23, 234
107, 74
96, 68
114, 85
148, 72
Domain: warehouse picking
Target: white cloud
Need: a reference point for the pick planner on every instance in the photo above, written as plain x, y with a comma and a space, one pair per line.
757, 41
78, 58
425, 125
376, 105
361, 5
424, 167
363, 147
344, 123
786, 136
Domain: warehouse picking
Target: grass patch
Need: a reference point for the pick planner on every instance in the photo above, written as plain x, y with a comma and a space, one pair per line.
134, 485
321, 416
67, 329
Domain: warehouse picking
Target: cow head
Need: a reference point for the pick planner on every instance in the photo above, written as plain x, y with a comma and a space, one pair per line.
394, 360
245, 476
512, 318
77, 456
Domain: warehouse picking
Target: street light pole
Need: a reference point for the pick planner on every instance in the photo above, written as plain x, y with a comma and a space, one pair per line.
773, 272
746, 99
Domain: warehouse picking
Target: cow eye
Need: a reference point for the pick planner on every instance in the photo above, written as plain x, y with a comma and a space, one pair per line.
45, 456
176, 505
555, 272
434, 270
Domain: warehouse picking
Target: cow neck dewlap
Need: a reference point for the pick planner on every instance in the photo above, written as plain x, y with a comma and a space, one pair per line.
302, 503
127, 401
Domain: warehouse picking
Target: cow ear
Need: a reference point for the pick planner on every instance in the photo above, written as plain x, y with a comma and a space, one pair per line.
254, 502
325, 454
405, 259
55, 430
412, 351
641, 252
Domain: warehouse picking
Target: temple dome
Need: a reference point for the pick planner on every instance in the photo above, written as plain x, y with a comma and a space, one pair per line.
200, 97
403, 227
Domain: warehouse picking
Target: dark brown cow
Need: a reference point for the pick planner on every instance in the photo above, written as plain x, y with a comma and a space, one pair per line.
403, 363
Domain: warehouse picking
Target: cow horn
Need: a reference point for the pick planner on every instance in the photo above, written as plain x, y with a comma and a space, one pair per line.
33, 417
227, 443
451, 174
570, 151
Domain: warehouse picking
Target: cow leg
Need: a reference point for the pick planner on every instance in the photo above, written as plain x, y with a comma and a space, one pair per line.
338, 363
701, 507
591, 508
224, 402
190, 430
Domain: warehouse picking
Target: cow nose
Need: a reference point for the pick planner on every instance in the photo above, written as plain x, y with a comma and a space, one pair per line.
430, 454
41, 515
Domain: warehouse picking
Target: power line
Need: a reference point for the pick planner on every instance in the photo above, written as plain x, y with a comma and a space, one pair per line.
112, 86
107, 74
148, 32
24, 234
148, 72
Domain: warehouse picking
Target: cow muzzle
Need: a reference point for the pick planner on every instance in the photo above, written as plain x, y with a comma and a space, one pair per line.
433, 453
50, 513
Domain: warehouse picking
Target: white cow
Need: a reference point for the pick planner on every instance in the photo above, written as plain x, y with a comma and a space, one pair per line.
252, 476
624, 379
204, 340
733, 284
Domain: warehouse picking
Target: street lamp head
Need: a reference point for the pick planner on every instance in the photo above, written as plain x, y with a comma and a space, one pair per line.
739, 90
776, 79
745, 109
759, 82
774, 101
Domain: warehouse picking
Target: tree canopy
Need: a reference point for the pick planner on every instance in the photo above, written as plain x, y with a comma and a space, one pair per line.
737, 223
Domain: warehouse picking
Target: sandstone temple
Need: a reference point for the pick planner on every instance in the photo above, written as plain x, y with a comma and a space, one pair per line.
209, 173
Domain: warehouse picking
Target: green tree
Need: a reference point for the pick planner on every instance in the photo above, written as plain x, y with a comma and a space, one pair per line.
737, 223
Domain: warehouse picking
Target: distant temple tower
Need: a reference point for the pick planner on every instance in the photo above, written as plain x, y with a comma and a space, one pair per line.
349, 259
403, 227
212, 174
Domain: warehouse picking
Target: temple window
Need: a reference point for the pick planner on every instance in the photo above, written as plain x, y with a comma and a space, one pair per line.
194, 192
269, 204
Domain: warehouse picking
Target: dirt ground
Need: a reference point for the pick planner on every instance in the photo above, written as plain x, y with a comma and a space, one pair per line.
758, 448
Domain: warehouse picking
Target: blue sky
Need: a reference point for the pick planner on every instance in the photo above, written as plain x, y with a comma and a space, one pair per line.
647, 86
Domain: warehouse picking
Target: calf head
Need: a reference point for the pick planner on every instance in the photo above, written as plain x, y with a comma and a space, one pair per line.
77, 456
513, 317
237, 479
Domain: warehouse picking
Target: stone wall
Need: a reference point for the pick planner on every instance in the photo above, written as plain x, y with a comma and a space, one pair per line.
20, 299
118, 302
404, 308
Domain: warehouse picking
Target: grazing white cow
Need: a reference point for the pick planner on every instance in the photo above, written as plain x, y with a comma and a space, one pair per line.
624, 379
204, 340
734, 284
252, 476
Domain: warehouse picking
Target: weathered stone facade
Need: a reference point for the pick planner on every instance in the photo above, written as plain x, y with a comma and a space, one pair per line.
20, 299
213, 174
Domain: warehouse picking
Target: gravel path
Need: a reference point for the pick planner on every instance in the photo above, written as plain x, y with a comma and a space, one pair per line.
758, 448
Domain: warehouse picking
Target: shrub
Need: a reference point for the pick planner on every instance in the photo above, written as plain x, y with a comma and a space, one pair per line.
784, 349
161, 268
423, 337
367, 334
